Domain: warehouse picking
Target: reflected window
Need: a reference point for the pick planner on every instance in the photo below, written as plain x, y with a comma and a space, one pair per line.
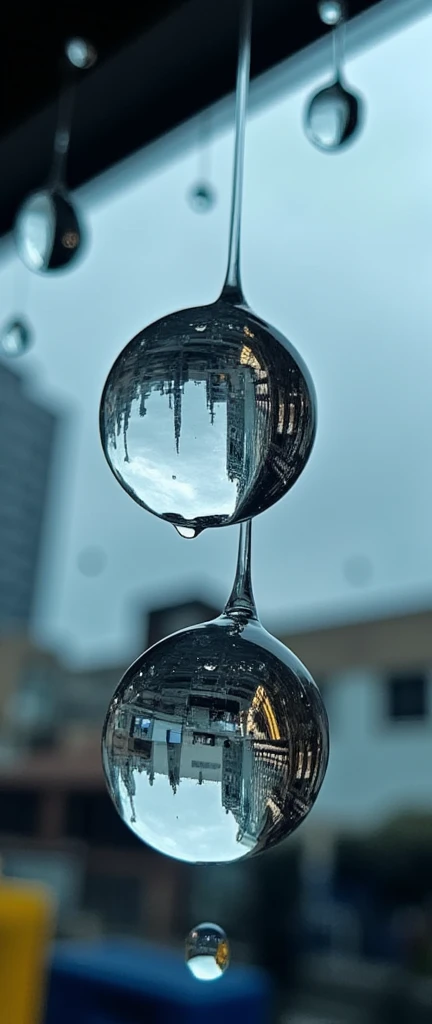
407, 697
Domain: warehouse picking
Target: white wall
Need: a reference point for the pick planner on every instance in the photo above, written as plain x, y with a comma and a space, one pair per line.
378, 766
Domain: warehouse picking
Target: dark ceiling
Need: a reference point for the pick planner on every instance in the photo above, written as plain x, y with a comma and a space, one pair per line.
160, 62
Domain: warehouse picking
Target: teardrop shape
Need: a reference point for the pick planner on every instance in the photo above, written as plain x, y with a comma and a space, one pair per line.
330, 12
47, 231
188, 532
333, 117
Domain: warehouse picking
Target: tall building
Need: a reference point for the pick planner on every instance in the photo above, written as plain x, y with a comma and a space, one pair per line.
27, 432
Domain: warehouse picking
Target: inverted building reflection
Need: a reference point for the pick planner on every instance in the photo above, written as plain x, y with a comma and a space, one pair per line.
199, 726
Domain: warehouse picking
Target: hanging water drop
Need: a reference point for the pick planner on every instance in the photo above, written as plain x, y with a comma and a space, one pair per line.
47, 232
208, 416
207, 952
334, 113
226, 705
80, 53
15, 338
330, 11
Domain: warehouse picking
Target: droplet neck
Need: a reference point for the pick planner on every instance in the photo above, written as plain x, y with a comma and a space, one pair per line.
241, 602
57, 179
338, 35
232, 288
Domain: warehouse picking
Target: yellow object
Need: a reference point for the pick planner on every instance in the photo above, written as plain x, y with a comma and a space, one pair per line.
26, 929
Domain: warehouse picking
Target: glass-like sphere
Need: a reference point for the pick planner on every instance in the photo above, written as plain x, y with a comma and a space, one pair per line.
215, 743
330, 11
15, 338
47, 232
80, 53
207, 952
202, 197
208, 417
333, 117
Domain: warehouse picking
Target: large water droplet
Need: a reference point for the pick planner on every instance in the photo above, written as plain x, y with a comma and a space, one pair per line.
47, 232
208, 427
15, 338
330, 12
207, 952
81, 53
212, 766
332, 117
202, 197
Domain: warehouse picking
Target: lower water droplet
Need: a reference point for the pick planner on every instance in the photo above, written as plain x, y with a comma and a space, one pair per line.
188, 532
207, 952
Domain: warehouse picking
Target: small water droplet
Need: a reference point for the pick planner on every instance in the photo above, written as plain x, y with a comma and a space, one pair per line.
81, 53
186, 531
200, 328
47, 231
330, 12
202, 197
332, 117
209, 668
207, 952
15, 338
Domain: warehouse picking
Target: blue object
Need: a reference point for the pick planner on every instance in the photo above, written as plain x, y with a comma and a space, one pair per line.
127, 983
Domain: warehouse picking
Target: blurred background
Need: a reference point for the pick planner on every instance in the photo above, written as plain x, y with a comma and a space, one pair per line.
337, 254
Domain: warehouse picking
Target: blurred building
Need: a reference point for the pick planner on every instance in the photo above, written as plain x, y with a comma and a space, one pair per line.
27, 433
376, 679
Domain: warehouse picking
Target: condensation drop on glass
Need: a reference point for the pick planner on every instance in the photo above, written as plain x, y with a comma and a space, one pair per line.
207, 952
333, 115
208, 415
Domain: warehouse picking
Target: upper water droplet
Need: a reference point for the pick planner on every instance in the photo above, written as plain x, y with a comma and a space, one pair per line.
200, 328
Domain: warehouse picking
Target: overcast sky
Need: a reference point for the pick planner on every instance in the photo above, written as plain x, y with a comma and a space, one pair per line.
337, 254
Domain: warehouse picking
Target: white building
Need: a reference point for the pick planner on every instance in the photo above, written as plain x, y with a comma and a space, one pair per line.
376, 679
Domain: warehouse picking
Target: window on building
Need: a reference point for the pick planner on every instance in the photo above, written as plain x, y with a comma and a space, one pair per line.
407, 696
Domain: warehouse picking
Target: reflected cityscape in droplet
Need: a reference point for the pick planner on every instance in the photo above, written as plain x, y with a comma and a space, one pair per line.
16, 338
215, 743
207, 952
208, 417
47, 231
